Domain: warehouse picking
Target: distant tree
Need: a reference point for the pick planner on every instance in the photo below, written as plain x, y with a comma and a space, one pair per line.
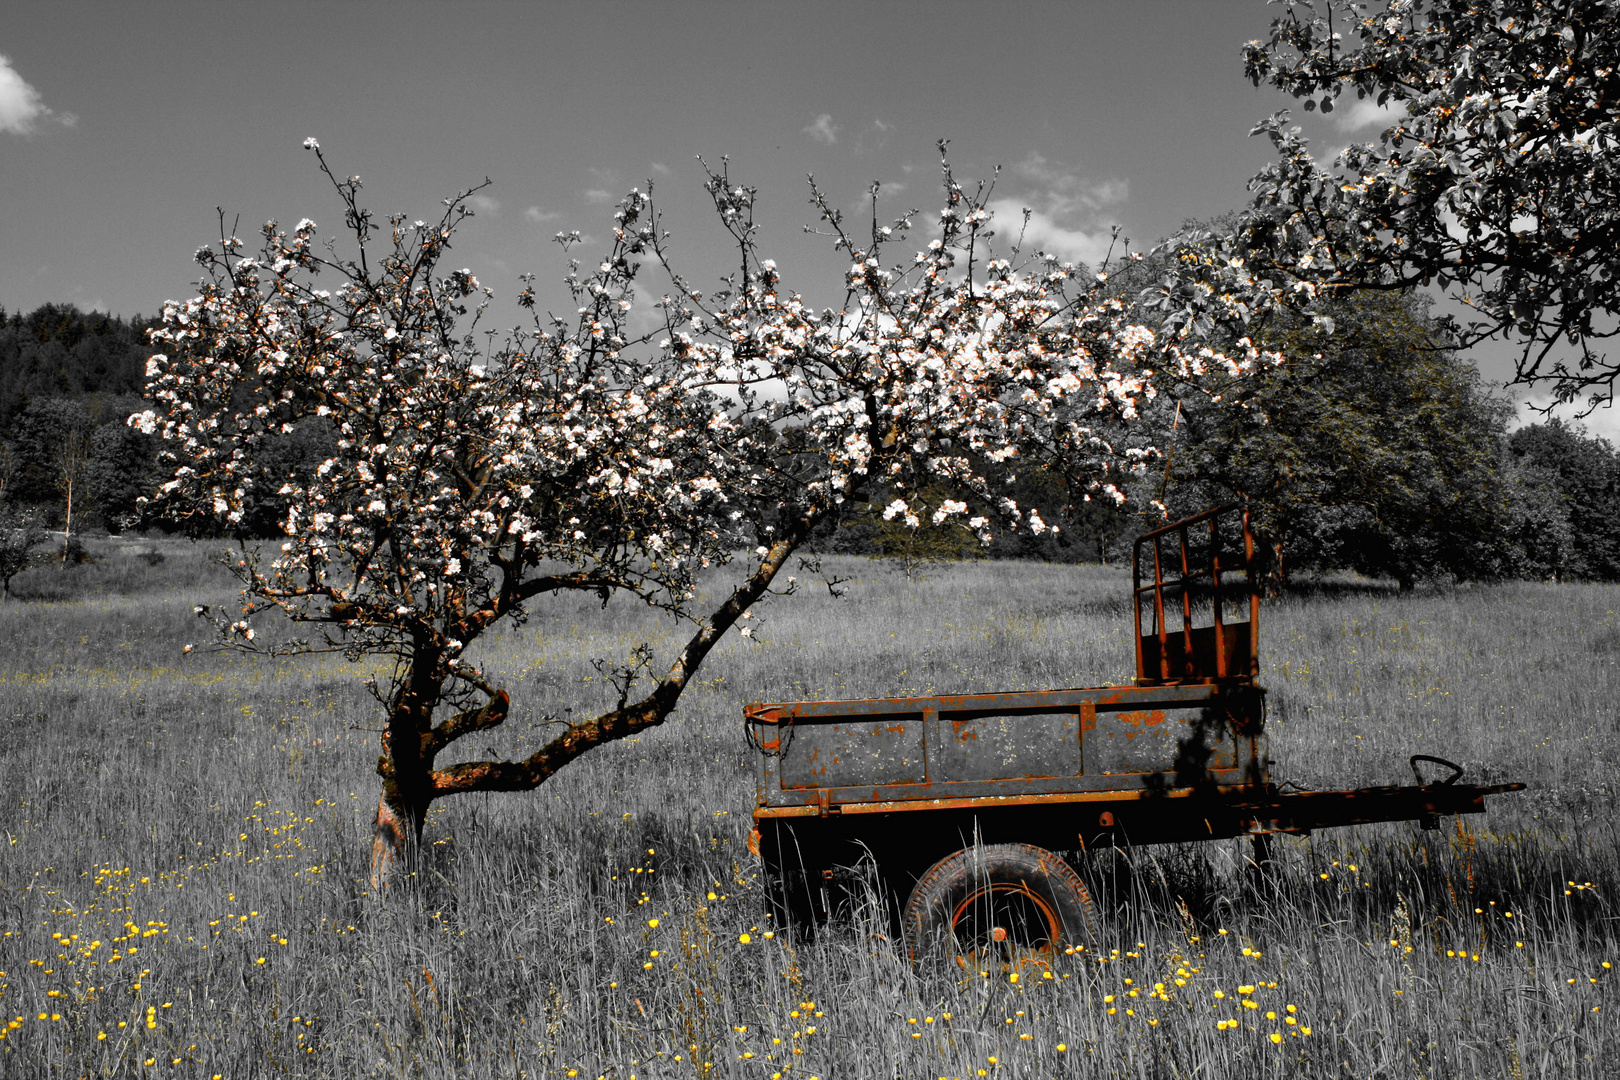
466, 485
1583, 472
8, 468
1100, 529
1080, 526
118, 473
72, 458
52, 447
58, 351
35, 434
1374, 448
1497, 176
939, 539
1540, 542
69, 462
20, 533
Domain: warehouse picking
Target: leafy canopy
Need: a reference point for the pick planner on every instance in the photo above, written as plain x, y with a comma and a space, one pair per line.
1498, 175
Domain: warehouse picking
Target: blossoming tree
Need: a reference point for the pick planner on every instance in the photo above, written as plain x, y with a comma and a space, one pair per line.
472, 477
1497, 175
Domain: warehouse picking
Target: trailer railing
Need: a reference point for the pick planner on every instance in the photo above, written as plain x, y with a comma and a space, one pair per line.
1182, 592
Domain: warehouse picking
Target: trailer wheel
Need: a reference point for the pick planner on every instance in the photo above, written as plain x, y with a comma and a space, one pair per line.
1001, 900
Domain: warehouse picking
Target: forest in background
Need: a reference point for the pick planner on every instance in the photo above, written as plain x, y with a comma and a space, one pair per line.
1375, 449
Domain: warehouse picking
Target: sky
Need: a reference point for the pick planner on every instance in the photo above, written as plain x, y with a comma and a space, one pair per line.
126, 129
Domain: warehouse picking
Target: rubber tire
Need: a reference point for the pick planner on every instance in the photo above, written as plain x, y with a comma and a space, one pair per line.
1034, 879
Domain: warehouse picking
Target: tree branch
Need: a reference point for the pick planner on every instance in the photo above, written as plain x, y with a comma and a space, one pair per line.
651, 711
491, 714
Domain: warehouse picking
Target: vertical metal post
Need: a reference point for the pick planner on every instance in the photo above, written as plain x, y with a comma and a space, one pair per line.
1215, 598
1186, 593
1158, 613
1254, 598
1136, 596
1189, 656
1261, 866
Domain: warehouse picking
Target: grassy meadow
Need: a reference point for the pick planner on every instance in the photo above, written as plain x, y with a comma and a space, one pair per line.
183, 844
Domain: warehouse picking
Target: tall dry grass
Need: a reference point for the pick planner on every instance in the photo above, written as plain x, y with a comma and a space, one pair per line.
182, 838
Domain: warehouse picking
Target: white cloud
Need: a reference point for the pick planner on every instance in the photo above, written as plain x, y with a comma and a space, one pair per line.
1071, 216
660, 168
823, 129
1064, 192
1109, 192
610, 186
485, 205
1366, 112
1044, 233
1603, 421
88, 301
21, 107
539, 216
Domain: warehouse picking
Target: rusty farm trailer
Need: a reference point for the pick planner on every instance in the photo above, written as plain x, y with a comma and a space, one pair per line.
969, 803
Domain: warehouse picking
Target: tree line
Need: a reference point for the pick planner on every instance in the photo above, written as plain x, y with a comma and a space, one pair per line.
1375, 448
69, 459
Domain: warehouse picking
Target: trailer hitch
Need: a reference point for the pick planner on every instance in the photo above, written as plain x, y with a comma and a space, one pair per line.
1456, 770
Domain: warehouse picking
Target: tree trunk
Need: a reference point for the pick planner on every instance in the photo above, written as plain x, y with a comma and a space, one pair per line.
410, 742
67, 526
1276, 580
391, 841
404, 766
396, 834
